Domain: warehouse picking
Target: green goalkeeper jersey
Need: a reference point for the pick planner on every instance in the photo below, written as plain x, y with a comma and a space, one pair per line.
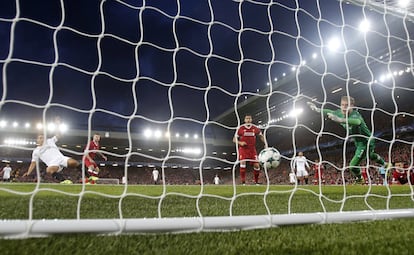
356, 126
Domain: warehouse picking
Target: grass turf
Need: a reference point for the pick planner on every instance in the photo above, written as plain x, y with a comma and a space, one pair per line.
103, 201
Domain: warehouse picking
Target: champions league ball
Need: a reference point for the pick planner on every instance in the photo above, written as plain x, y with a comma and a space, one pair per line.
269, 158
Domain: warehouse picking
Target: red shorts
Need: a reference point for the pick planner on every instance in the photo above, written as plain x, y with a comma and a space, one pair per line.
248, 155
88, 163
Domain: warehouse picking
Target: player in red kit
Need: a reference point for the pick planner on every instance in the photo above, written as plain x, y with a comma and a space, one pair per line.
399, 175
364, 174
89, 159
245, 138
318, 170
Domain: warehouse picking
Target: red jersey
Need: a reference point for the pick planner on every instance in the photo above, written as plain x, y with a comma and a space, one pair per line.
400, 176
247, 133
91, 146
318, 169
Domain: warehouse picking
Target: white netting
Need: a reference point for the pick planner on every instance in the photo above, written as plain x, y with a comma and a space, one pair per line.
167, 83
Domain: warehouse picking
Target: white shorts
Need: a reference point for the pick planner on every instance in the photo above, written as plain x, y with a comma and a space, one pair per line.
61, 162
300, 173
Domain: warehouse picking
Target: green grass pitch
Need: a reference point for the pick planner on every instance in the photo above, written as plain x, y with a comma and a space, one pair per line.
109, 201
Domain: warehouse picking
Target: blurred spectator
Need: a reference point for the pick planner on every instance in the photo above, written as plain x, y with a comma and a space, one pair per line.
6, 171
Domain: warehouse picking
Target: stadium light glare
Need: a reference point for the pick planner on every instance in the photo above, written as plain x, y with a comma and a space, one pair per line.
157, 134
39, 125
51, 127
15, 124
177, 135
296, 112
63, 128
336, 90
3, 123
314, 55
27, 125
193, 151
364, 26
16, 141
334, 44
403, 3
147, 133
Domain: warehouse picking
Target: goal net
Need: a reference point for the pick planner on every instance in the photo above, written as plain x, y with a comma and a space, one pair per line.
167, 84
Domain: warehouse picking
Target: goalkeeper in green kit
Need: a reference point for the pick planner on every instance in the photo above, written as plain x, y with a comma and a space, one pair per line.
352, 120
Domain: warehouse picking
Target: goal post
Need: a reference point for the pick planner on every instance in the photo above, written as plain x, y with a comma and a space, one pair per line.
168, 84
33, 228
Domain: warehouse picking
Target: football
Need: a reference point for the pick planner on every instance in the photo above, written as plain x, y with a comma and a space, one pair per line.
269, 158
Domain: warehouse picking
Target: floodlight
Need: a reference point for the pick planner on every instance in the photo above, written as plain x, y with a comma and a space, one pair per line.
157, 134
3, 123
147, 133
334, 44
364, 26
295, 112
403, 3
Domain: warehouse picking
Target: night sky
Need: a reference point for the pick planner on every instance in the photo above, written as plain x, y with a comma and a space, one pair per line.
106, 65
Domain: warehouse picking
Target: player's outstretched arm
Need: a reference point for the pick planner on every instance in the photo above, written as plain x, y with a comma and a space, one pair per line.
30, 170
103, 156
349, 121
313, 107
335, 118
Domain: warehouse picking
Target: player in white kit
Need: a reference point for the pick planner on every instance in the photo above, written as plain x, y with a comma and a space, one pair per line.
49, 153
300, 165
155, 175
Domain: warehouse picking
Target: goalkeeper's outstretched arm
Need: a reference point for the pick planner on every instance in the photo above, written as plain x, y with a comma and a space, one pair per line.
335, 116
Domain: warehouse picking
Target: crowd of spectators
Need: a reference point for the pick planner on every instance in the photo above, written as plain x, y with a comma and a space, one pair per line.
335, 172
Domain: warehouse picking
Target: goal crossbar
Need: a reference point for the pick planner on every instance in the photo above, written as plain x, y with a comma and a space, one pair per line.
27, 228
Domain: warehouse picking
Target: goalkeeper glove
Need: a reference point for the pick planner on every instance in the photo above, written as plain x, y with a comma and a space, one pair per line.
313, 107
335, 118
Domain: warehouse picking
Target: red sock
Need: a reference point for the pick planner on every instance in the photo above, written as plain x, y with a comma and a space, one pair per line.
256, 175
243, 174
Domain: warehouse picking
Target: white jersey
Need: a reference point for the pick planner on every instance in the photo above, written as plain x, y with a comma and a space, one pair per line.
216, 180
6, 172
49, 153
300, 163
155, 174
